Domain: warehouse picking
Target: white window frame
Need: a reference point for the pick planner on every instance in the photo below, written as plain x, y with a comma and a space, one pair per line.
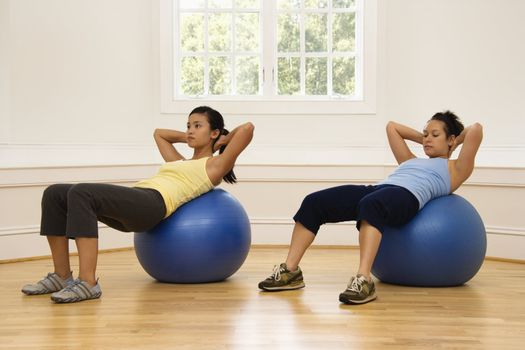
281, 105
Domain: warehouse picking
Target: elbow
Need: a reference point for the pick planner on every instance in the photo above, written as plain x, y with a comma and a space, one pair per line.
158, 135
249, 127
477, 126
477, 129
390, 125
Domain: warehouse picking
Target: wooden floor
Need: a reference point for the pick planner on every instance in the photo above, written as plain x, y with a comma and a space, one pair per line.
135, 312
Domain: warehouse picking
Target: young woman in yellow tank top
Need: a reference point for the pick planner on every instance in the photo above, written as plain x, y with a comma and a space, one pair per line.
72, 211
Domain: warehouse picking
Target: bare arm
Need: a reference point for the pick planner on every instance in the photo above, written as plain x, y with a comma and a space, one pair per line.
165, 138
471, 138
397, 136
237, 140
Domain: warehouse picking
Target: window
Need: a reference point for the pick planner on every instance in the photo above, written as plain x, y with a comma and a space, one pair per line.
238, 54
218, 48
316, 49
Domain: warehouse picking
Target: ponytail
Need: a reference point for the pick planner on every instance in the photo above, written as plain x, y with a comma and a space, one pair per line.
230, 176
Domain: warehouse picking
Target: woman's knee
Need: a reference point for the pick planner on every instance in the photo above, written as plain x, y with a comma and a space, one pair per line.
81, 190
312, 200
54, 192
371, 207
311, 210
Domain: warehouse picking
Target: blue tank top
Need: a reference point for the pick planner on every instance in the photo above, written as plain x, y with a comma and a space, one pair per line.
425, 178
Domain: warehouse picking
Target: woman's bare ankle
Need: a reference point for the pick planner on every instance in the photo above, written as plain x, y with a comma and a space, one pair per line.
291, 267
64, 275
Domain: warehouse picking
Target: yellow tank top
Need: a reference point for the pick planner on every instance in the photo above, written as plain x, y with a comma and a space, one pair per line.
179, 182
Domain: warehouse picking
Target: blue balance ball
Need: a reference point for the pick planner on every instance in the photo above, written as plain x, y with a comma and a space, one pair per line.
443, 245
204, 240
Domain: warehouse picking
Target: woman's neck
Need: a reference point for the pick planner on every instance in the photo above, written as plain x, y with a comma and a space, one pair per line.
201, 153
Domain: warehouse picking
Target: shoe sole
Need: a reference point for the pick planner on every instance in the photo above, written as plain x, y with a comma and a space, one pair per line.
74, 300
345, 300
283, 288
37, 292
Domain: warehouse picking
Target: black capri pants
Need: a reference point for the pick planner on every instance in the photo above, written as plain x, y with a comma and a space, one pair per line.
380, 206
73, 210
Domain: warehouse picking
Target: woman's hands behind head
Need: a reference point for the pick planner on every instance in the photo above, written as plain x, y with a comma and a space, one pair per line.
222, 140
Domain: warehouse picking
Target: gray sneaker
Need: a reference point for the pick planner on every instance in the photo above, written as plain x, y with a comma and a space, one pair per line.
283, 279
50, 284
78, 290
359, 291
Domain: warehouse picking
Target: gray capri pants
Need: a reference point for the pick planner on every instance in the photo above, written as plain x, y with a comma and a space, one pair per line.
73, 210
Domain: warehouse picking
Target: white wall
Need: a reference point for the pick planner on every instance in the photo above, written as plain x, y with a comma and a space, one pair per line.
466, 55
80, 78
80, 89
4, 71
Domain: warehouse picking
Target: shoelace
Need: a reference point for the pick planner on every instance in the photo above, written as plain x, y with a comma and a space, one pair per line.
356, 285
50, 278
276, 274
80, 290
71, 286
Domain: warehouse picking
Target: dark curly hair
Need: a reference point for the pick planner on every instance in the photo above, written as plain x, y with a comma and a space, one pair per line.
453, 126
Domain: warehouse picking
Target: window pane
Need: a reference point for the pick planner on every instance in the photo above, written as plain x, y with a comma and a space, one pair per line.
343, 73
251, 4
316, 76
288, 75
191, 4
344, 32
220, 4
247, 32
220, 75
343, 3
192, 76
192, 32
316, 33
247, 75
288, 36
219, 32
316, 4
288, 4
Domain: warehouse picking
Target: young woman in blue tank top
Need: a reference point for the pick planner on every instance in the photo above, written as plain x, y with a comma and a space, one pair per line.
392, 202
72, 211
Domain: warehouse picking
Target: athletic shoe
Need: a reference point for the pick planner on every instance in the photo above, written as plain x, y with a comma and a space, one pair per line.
50, 284
283, 279
359, 291
77, 291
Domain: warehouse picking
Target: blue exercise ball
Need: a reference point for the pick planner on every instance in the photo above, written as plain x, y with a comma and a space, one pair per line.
205, 240
443, 245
